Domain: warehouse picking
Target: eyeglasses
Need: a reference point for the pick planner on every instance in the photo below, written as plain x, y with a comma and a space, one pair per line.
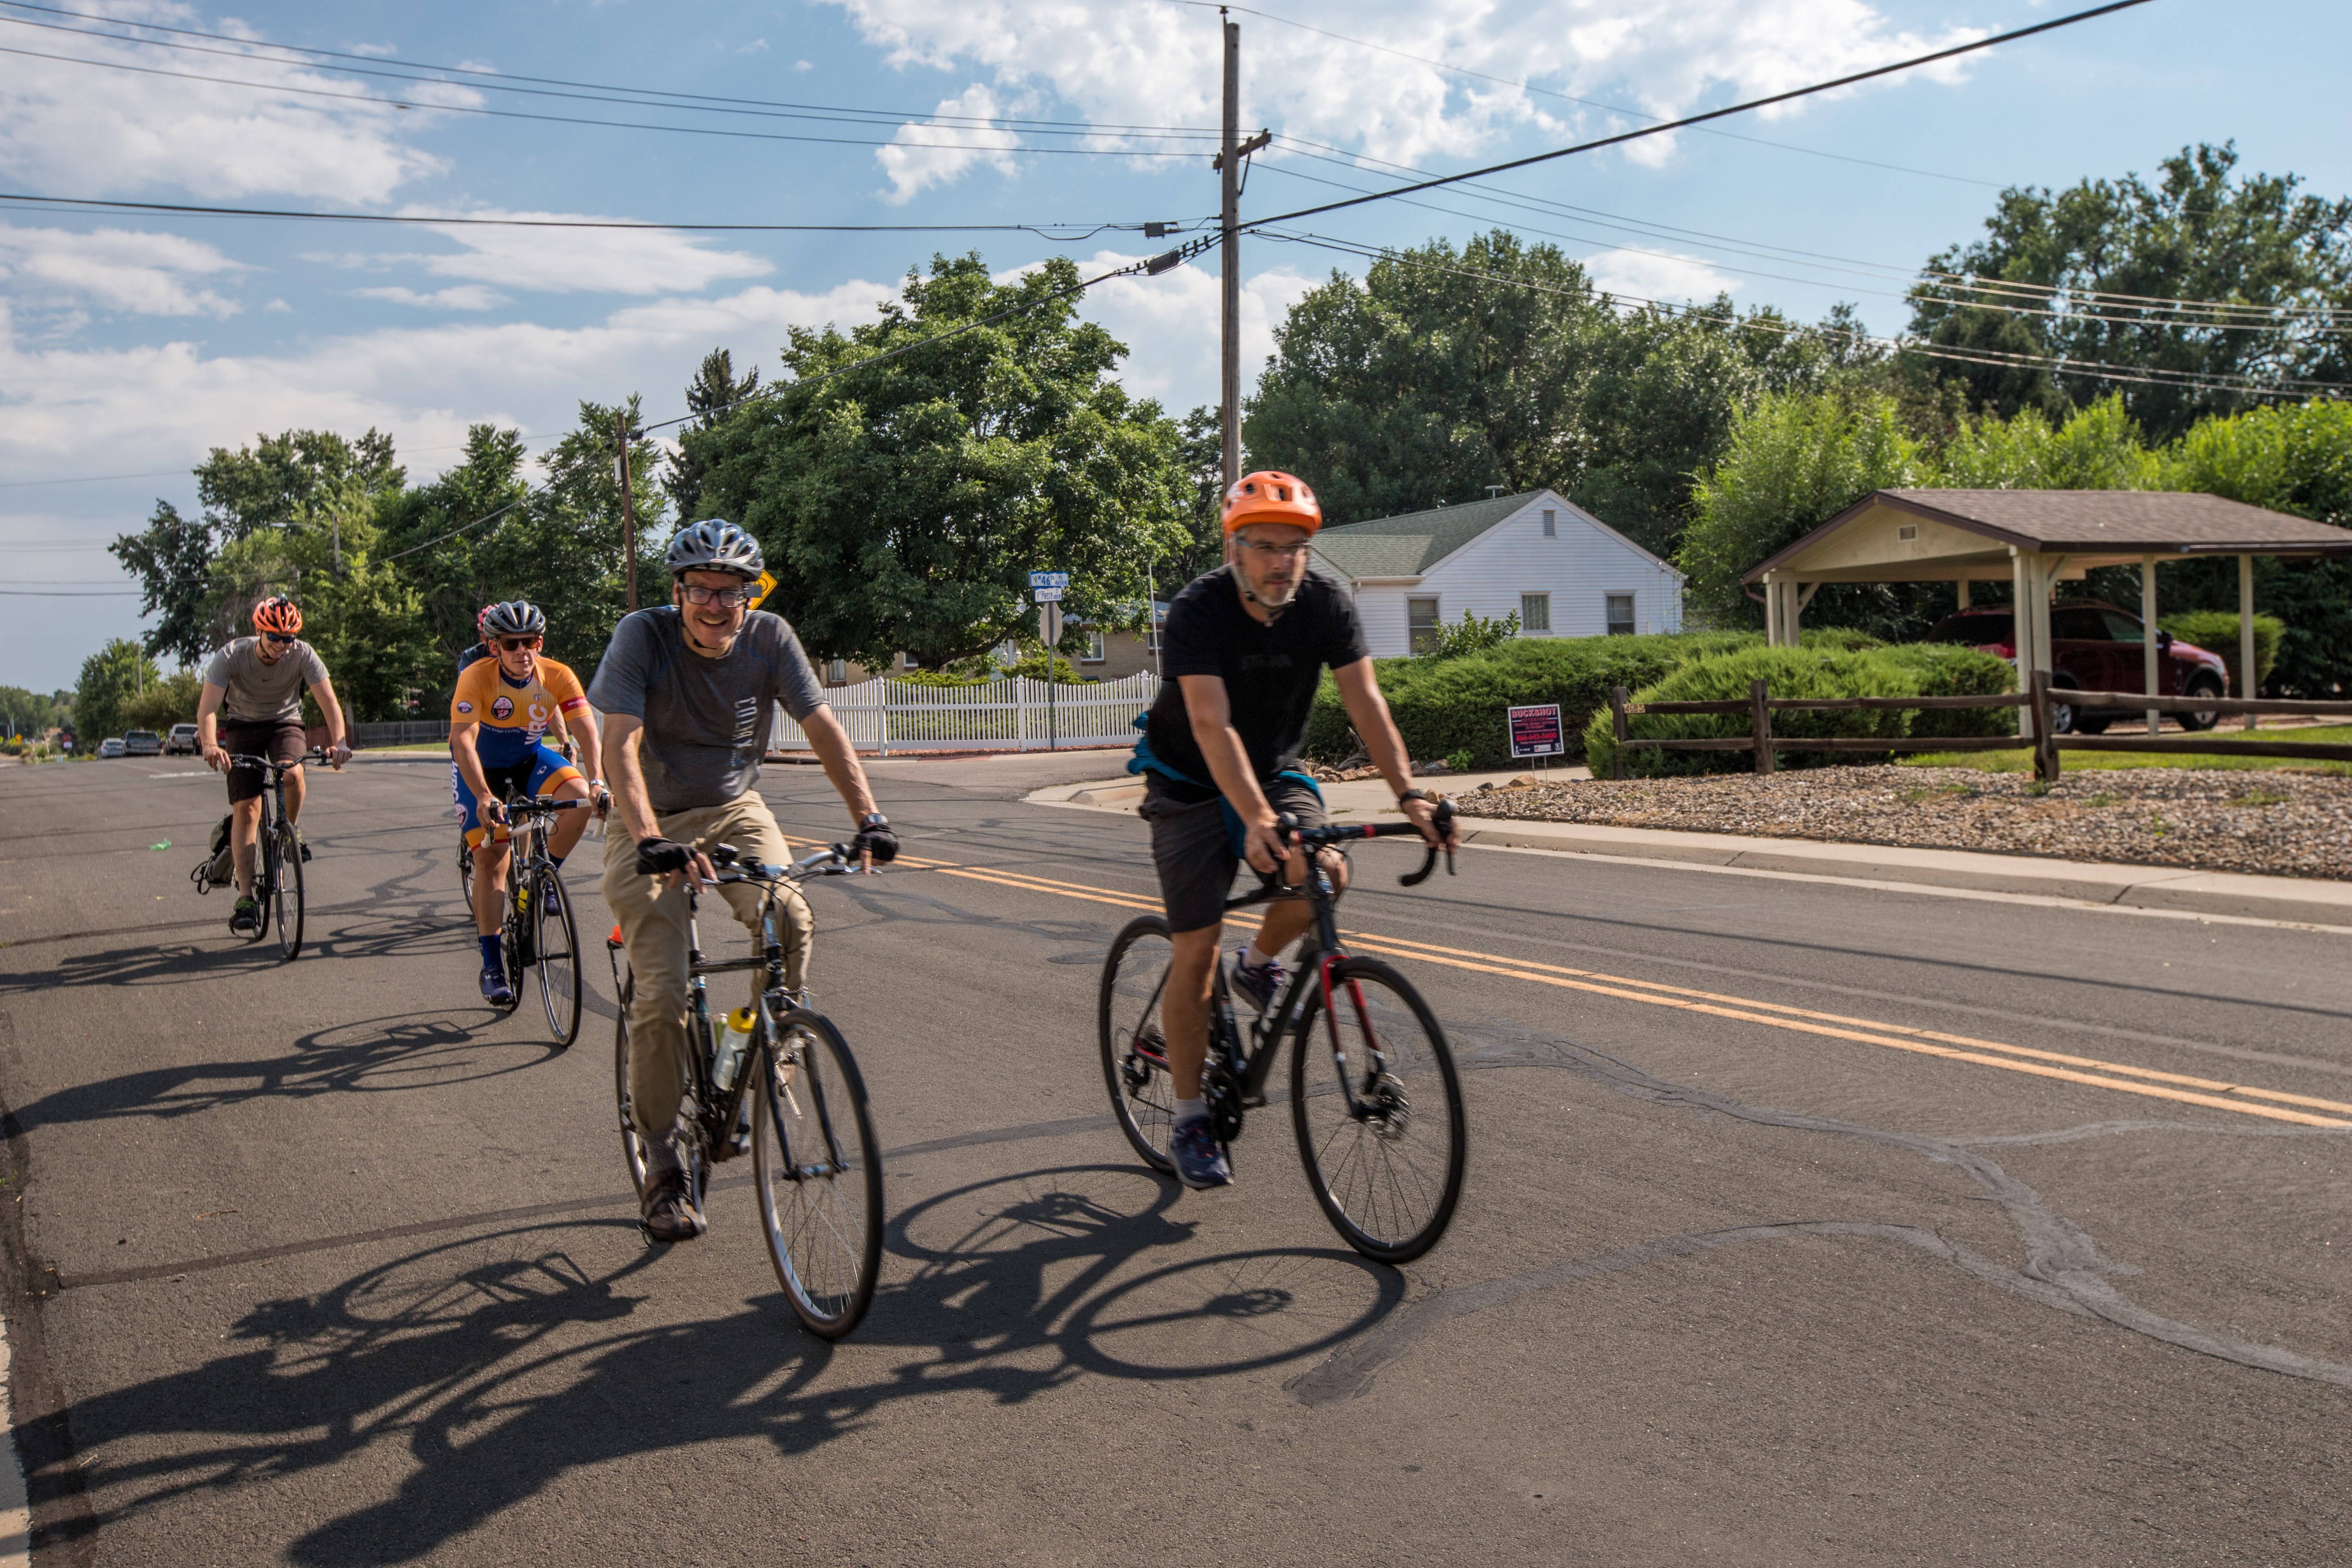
1277, 552
516, 644
279, 638
726, 598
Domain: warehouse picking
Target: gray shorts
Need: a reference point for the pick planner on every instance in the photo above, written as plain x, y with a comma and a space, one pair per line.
1194, 854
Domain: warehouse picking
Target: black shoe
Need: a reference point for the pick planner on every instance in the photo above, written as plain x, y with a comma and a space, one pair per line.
666, 1214
246, 918
306, 851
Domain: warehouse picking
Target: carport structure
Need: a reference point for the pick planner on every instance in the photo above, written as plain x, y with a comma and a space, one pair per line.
2034, 540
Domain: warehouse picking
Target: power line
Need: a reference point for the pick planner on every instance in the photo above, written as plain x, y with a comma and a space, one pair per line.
614, 124
1748, 106
71, 594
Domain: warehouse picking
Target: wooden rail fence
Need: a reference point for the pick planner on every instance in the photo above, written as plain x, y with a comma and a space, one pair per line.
1760, 705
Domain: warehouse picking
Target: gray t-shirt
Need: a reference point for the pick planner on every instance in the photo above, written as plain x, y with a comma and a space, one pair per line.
706, 719
258, 693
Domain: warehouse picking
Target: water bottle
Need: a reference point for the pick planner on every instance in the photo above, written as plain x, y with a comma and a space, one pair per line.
734, 1039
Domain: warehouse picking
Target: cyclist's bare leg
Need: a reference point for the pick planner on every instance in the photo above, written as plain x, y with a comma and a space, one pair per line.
569, 826
294, 792
1286, 921
1184, 1007
489, 885
243, 828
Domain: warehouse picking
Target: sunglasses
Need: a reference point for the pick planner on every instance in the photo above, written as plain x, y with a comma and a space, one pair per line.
725, 598
279, 638
516, 644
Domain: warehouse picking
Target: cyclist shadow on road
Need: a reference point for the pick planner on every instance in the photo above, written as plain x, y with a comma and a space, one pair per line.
502, 1363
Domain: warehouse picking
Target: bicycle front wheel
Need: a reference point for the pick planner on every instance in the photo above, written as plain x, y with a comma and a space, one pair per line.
555, 944
1378, 1109
1134, 1043
820, 1173
286, 891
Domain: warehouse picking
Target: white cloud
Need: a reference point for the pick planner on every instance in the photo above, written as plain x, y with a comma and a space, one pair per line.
756, 47
584, 261
931, 152
803, 65
84, 128
1109, 58
1655, 275
115, 269
459, 297
376, 48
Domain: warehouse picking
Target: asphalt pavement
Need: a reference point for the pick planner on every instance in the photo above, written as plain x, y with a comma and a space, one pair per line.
1805, 1223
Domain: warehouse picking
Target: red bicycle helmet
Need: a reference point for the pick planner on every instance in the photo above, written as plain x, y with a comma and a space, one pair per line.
277, 613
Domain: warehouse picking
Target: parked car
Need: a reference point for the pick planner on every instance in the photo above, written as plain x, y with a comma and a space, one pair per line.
111, 747
141, 743
183, 739
2095, 646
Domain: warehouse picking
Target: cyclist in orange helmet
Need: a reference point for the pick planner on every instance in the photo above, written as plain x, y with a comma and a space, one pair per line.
1246, 646
252, 706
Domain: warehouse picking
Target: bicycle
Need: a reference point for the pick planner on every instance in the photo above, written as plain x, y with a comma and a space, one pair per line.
277, 857
817, 1165
540, 933
1386, 1171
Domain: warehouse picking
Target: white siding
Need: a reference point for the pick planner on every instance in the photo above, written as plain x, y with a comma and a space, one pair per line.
1580, 568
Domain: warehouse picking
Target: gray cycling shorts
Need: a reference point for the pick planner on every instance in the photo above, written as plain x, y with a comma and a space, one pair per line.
1194, 852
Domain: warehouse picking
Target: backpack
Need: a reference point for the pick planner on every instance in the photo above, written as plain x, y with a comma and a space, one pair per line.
220, 869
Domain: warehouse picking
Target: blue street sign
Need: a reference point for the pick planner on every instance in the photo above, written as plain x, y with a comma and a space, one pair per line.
1049, 579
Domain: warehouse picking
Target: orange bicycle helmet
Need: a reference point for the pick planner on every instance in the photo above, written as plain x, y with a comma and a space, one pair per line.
277, 613
1271, 496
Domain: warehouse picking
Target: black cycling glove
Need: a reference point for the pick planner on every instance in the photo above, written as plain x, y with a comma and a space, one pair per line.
656, 857
876, 838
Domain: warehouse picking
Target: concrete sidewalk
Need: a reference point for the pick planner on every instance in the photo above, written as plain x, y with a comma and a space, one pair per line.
2307, 901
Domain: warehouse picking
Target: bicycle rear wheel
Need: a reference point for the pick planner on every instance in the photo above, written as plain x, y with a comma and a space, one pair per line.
555, 944
820, 1173
465, 873
1134, 1044
1385, 1160
286, 880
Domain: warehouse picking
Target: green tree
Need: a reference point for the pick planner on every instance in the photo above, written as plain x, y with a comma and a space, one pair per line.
562, 549
901, 504
110, 678
436, 537
2090, 266
26, 713
169, 701
712, 394
1201, 494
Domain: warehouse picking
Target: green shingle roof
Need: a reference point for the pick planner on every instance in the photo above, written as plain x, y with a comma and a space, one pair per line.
1410, 545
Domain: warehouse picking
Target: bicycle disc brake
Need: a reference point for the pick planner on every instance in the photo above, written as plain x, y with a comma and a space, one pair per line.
1387, 1109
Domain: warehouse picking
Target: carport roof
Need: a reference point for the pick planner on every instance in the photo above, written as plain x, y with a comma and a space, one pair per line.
1978, 529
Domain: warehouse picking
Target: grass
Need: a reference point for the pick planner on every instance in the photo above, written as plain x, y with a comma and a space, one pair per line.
414, 746
2022, 760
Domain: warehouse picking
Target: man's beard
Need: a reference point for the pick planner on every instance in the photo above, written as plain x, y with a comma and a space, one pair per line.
1266, 596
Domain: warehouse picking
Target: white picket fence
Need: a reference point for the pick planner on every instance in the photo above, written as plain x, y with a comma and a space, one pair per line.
1013, 715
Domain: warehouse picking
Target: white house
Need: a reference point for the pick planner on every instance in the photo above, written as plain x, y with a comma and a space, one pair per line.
1563, 572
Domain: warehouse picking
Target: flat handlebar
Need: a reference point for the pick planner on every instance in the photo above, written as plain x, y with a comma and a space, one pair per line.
834, 861
239, 760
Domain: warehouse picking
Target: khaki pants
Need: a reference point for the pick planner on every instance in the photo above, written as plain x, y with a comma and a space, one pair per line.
654, 933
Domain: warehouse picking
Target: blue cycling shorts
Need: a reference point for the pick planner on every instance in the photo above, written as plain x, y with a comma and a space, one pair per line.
541, 769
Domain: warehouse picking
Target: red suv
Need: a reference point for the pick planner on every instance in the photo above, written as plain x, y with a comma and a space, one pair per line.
2095, 646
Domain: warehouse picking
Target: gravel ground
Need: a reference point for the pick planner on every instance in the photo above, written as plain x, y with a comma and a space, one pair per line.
2272, 822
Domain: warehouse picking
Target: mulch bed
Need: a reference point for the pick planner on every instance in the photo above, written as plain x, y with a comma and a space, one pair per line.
2270, 823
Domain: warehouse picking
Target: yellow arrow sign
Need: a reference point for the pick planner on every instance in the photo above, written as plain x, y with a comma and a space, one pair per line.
767, 586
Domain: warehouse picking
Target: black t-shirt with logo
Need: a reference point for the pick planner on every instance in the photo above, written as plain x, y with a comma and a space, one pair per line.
1270, 672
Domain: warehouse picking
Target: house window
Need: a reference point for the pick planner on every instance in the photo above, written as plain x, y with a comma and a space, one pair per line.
1552, 522
1095, 653
1621, 615
1421, 624
836, 672
1535, 614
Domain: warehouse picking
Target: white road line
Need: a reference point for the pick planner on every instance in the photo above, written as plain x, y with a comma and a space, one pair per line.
16, 1510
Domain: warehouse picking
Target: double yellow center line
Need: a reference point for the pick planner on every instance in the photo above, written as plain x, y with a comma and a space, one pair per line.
2182, 1088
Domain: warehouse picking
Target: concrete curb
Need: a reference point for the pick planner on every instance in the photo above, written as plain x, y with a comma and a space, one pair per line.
2299, 901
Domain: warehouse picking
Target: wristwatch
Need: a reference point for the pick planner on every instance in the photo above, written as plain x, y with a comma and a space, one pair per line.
1414, 793
872, 819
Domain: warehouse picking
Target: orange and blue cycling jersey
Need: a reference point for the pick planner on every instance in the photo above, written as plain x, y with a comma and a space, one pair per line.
512, 718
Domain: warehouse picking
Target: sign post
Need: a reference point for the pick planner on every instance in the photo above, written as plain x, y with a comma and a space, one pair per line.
1536, 731
1047, 588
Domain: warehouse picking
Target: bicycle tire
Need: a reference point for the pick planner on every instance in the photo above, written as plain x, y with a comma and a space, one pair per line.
1388, 1181
1134, 1047
286, 891
820, 1173
466, 874
555, 946
632, 1148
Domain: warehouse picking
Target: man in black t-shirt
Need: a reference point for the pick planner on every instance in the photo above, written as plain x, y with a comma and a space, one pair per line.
1244, 650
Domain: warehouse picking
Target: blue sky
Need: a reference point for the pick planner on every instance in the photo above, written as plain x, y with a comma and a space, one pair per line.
131, 344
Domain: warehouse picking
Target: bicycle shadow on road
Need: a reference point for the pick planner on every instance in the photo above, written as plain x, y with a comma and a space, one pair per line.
501, 1363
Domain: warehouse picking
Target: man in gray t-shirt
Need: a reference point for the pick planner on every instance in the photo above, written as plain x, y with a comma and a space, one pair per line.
251, 706
686, 690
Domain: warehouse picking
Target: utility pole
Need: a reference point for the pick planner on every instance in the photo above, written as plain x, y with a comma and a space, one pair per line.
628, 507
1229, 164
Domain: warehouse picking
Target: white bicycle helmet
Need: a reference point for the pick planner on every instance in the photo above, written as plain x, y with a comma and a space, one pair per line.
715, 544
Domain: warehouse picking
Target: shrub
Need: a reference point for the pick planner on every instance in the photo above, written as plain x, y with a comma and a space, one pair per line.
1471, 633
2216, 631
1916, 670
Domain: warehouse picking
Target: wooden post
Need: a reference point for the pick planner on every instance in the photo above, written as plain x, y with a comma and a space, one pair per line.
1759, 724
2045, 742
1617, 696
